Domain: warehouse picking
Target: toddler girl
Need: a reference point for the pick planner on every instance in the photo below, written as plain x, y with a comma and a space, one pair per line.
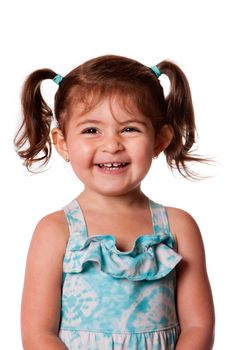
114, 269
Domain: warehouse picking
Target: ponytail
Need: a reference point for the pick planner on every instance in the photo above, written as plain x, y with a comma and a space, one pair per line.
34, 132
180, 115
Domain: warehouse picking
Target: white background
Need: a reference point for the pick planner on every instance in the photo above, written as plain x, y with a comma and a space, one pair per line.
60, 35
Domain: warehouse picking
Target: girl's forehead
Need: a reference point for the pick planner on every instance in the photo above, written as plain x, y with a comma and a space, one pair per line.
119, 106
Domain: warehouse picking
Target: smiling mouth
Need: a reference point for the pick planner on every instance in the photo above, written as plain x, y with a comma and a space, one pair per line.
112, 166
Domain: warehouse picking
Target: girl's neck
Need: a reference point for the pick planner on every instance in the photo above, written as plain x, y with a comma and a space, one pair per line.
134, 199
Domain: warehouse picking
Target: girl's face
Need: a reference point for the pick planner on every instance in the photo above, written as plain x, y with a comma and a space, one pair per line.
109, 149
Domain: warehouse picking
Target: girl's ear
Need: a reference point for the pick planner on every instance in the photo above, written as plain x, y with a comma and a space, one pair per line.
60, 143
163, 139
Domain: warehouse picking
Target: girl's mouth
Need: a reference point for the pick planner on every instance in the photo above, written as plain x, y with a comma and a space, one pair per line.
112, 166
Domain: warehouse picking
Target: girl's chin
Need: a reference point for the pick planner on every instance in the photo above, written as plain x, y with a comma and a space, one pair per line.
114, 190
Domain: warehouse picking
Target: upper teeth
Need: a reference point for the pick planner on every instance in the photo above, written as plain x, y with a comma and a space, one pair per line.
110, 165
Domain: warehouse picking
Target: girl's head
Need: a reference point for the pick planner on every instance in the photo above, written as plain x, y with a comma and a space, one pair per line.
136, 88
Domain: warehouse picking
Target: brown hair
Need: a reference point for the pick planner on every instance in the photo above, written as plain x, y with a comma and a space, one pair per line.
104, 76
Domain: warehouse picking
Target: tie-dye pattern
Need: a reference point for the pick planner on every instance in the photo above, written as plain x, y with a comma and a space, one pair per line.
119, 300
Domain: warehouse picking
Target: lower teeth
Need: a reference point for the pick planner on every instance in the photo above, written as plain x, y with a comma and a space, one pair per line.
111, 168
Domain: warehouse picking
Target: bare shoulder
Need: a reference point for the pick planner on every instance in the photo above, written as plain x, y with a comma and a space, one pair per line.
51, 233
45, 258
53, 225
180, 219
186, 230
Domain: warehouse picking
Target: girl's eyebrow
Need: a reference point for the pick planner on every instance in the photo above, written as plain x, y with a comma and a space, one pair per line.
133, 121
95, 121
86, 121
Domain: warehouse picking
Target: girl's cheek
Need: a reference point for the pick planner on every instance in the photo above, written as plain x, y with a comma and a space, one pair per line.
84, 150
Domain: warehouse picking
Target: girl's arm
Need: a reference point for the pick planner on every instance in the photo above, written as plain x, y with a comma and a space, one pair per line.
40, 313
194, 298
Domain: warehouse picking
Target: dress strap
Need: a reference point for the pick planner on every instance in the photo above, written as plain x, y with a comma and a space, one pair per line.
160, 220
75, 219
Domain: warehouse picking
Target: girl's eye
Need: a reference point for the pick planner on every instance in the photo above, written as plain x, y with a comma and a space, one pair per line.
90, 131
130, 129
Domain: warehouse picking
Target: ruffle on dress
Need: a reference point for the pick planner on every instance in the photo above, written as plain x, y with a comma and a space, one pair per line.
151, 258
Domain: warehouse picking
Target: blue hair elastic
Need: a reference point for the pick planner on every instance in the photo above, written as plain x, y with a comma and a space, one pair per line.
156, 71
58, 79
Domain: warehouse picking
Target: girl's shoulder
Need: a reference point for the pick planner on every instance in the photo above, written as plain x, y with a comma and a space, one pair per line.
186, 231
179, 219
52, 231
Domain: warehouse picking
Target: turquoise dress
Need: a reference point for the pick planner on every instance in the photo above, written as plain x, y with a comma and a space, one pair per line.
119, 300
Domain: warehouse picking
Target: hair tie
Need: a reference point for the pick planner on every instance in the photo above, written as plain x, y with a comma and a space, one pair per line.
156, 71
58, 79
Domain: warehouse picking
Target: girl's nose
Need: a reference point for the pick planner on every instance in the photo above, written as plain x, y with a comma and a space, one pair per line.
112, 144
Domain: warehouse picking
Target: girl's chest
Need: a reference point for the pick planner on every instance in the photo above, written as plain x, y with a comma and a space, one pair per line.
125, 229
